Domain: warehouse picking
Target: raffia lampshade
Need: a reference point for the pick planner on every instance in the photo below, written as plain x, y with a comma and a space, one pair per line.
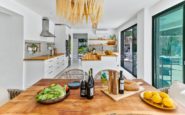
75, 11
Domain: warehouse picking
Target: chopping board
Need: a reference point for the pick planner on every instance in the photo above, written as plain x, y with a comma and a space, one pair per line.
121, 96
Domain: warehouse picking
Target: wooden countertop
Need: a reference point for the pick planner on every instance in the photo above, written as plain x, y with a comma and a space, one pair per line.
25, 103
92, 57
40, 58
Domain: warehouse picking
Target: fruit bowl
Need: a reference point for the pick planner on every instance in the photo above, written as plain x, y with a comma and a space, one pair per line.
160, 106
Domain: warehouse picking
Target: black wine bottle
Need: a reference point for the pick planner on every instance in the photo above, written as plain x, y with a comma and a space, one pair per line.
83, 88
121, 83
90, 85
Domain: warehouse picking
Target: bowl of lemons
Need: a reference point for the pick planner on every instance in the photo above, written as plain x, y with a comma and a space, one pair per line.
158, 99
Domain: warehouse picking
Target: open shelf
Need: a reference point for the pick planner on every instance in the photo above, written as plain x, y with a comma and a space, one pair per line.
100, 39
101, 45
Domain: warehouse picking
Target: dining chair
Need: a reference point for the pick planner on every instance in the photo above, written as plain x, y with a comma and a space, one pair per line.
72, 74
14, 92
8, 94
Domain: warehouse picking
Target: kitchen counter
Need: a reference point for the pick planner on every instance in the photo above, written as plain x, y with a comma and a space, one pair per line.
40, 67
97, 57
100, 62
44, 57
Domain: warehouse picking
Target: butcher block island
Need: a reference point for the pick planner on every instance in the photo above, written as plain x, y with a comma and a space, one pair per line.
74, 104
100, 61
40, 67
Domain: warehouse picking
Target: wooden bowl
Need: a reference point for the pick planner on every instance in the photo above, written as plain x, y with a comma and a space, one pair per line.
159, 106
52, 101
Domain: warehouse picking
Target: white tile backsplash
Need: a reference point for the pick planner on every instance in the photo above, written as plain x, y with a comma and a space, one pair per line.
43, 49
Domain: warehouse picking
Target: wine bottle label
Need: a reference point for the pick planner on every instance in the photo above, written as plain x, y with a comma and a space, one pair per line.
91, 91
121, 81
121, 86
83, 92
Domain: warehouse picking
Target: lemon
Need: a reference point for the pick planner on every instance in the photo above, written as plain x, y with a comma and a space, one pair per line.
164, 95
168, 102
155, 93
147, 95
157, 98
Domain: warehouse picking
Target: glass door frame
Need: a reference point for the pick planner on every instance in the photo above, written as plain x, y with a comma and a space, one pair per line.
182, 4
122, 43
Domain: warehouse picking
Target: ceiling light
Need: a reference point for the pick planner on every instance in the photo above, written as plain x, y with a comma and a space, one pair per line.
75, 11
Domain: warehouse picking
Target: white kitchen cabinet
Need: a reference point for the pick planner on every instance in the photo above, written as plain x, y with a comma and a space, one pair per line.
43, 69
62, 33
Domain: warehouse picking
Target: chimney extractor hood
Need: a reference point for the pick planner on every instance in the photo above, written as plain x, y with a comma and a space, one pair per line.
45, 28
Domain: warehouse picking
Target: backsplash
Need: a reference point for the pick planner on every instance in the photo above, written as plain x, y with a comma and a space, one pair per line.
37, 48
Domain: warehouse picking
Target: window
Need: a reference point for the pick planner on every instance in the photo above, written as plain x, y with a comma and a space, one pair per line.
129, 50
168, 46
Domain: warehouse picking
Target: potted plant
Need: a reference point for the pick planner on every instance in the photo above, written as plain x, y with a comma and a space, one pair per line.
112, 40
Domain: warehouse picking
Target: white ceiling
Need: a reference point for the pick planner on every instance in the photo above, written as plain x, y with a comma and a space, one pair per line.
116, 12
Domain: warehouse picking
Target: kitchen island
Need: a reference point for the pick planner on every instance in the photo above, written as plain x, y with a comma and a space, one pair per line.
45, 66
100, 61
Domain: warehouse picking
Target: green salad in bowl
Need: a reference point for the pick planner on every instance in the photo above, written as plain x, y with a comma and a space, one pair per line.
52, 94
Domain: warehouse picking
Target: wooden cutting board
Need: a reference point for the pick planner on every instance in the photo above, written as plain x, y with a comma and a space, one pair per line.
121, 96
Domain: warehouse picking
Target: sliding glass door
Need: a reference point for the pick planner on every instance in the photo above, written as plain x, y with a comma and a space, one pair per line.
129, 50
168, 45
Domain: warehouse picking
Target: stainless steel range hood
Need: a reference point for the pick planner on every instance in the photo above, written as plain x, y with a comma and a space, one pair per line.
45, 28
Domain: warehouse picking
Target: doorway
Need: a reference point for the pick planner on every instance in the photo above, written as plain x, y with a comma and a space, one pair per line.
168, 46
129, 50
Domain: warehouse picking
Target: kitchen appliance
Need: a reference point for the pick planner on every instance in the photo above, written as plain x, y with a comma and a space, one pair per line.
68, 50
45, 28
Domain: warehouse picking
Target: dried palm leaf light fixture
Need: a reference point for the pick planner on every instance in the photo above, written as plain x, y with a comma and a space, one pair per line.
75, 11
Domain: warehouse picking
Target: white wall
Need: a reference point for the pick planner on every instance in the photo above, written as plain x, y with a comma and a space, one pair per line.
32, 20
32, 26
144, 21
11, 50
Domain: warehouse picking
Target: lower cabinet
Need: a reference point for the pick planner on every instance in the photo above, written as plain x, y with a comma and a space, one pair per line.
54, 66
43, 69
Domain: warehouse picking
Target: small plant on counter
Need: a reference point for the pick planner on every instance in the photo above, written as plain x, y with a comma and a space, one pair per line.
113, 37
